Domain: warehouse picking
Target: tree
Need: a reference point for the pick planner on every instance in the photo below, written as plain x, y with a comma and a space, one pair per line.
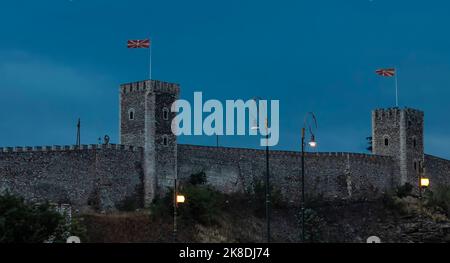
21, 222
314, 226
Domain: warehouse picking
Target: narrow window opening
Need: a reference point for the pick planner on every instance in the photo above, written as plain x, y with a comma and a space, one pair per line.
386, 142
165, 141
165, 114
131, 114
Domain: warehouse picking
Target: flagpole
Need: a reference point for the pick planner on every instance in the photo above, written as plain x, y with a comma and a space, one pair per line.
396, 88
79, 133
150, 64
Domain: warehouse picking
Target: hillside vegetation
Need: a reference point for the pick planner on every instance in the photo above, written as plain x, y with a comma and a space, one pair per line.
210, 216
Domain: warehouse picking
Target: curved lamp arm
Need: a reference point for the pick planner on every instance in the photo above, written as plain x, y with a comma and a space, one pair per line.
312, 142
256, 125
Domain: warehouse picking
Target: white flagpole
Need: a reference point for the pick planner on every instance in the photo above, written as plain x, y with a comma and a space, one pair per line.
396, 88
150, 62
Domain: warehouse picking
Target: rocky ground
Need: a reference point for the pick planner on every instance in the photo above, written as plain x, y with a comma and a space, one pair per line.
358, 221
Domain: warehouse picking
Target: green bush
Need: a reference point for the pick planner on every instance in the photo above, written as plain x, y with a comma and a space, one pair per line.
203, 204
198, 178
258, 197
77, 228
21, 222
129, 204
439, 197
314, 226
404, 190
163, 206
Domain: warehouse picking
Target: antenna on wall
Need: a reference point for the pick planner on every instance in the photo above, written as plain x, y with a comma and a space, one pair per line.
78, 133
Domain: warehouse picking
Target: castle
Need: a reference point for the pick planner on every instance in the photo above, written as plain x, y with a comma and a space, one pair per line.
148, 159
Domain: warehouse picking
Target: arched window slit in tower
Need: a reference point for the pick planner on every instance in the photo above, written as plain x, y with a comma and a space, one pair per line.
165, 114
131, 114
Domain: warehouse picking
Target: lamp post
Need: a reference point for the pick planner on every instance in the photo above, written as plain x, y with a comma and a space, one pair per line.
312, 144
177, 199
424, 183
267, 188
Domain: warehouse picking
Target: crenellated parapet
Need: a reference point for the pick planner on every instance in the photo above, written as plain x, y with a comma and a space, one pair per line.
387, 114
392, 115
228, 152
150, 85
69, 148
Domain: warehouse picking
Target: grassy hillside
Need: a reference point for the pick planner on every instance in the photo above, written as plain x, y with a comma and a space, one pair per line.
210, 216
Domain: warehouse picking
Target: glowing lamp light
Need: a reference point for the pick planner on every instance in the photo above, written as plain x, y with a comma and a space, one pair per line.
313, 143
181, 199
424, 182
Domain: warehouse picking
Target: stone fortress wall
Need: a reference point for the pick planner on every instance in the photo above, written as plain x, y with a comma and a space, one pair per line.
99, 176
327, 175
105, 176
438, 170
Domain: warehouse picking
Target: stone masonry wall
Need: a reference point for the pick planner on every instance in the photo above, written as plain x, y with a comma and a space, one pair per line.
328, 175
100, 176
438, 170
399, 133
104, 176
132, 98
151, 101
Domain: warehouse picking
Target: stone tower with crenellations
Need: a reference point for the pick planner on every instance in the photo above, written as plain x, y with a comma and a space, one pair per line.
145, 121
399, 133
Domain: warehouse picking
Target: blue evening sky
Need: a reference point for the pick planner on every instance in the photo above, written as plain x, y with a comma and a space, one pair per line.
62, 59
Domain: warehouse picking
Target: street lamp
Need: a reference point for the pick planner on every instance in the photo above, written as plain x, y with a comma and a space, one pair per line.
180, 199
267, 191
424, 182
312, 143
177, 199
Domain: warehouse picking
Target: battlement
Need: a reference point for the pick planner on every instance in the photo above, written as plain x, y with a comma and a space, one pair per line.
150, 85
70, 148
286, 154
388, 113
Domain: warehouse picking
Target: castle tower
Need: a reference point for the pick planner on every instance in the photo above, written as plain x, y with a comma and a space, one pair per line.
399, 133
145, 121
